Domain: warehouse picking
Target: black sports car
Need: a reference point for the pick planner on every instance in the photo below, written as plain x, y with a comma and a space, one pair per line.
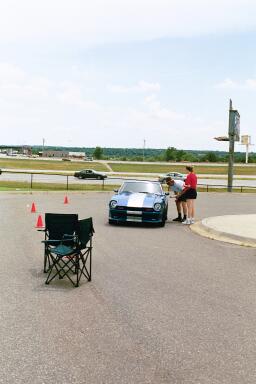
90, 174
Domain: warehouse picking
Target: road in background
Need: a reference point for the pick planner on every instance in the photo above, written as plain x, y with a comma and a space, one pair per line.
43, 178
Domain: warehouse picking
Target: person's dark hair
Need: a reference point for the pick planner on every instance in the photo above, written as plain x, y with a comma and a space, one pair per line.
189, 168
168, 179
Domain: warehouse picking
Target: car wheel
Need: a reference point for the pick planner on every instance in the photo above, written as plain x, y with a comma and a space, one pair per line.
162, 223
110, 221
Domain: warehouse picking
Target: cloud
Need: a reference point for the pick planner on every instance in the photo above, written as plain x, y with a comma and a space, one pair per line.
230, 84
32, 107
250, 83
100, 21
10, 73
140, 87
71, 94
157, 111
227, 84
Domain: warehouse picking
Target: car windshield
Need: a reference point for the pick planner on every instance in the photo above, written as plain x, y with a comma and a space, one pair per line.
142, 187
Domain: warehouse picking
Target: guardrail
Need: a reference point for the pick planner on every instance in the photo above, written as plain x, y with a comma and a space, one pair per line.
32, 180
236, 188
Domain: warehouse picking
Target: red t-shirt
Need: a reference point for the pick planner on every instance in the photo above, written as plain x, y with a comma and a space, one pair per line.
191, 181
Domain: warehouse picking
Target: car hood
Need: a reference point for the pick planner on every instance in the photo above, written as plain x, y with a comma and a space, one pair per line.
137, 200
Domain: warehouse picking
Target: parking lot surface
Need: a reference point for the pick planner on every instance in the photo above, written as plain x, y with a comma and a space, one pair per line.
165, 305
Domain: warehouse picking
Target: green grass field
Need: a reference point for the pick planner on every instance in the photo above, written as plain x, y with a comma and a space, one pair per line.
24, 186
70, 166
163, 168
64, 166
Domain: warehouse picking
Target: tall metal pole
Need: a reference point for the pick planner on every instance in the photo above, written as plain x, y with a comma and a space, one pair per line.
231, 151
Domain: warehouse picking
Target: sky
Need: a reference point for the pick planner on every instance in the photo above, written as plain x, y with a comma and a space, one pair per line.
126, 73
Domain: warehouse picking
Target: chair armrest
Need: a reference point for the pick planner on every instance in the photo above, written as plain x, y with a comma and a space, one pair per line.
68, 237
51, 242
65, 239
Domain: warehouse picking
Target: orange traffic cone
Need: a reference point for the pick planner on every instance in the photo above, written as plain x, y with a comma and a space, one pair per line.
39, 223
66, 200
33, 208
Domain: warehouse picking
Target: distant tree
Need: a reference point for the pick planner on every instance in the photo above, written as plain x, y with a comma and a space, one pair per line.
211, 157
252, 158
180, 154
170, 154
137, 158
240, 157
98, 153
189, 157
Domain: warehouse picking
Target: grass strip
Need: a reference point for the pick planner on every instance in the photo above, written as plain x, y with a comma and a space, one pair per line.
164, 168
25, 186
54, 165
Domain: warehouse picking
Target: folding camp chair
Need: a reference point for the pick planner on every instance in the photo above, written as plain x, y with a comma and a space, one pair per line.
73, 260
58, 225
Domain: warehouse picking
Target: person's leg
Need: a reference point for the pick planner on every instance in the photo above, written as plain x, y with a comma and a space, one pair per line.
178, 206
185, 210
192, 211
193, 208
189, 203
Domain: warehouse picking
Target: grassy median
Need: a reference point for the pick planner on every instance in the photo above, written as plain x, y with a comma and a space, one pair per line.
53, 165
25, 186
199, 169
71, 166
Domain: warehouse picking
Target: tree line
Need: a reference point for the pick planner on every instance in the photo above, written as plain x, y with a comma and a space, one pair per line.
154, 154
170, 154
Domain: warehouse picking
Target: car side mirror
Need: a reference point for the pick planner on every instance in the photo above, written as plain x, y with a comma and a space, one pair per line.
115, 190
167, 193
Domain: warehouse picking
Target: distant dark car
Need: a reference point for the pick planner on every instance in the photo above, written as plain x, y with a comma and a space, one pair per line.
90, 174
0, 171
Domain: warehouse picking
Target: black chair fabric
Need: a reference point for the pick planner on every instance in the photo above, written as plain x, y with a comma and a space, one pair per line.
73, 260
57, 227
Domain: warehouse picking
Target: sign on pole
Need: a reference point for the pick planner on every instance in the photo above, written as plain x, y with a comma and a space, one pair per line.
246, 140
234, 124
234, 135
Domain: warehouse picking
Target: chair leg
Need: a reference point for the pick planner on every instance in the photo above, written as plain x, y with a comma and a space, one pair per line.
90, 259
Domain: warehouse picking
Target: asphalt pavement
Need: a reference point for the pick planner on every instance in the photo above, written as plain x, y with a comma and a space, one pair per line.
165, 305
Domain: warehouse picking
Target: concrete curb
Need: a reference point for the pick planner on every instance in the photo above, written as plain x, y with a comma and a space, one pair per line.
203, 230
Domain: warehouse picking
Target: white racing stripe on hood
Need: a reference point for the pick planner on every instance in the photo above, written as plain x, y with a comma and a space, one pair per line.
136, 200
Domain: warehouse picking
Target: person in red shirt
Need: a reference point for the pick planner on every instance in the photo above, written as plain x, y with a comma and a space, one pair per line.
190, 194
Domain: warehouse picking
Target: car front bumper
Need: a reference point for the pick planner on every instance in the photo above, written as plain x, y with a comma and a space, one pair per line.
135, 216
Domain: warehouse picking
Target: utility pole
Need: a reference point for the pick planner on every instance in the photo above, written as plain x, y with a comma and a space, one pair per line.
233, 135
231, 150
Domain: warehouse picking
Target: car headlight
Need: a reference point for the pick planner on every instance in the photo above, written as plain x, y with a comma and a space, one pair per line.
157, 207
113, 203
